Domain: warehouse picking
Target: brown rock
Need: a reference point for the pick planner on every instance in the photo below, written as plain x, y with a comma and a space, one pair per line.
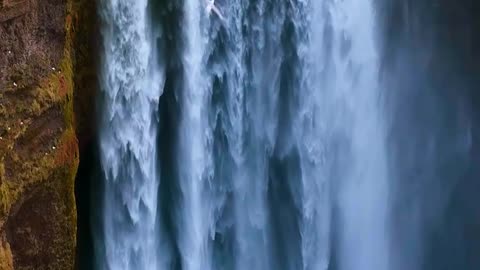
45, 59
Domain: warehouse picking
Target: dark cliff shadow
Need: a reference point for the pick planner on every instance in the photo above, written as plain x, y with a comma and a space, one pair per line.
88, 190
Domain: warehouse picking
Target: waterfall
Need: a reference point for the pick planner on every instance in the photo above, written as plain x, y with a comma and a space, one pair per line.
194, 155
363, 190
131, 85
280, 159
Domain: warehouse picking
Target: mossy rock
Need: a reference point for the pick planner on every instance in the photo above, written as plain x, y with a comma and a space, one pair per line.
39, 152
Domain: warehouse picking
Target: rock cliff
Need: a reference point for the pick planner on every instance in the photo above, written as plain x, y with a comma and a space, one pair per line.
45, 68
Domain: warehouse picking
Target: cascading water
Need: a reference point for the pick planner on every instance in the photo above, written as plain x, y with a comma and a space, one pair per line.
363, 192
131, 85
280, 155
194, 156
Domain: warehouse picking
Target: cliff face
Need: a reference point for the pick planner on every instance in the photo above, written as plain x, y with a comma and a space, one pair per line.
40, 59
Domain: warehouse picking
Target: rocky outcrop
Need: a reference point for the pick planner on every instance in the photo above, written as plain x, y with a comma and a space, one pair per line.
12, 9
42, 66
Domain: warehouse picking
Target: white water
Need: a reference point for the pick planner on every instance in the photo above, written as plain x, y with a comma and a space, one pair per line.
363, 188
131, 86
281, 138
194, 218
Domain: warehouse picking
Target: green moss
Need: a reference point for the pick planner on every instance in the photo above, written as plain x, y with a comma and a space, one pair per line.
2, 172
46, 171
62, 183
5, 200
54, 171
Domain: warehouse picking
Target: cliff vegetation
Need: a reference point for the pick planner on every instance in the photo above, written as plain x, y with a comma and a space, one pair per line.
42, 66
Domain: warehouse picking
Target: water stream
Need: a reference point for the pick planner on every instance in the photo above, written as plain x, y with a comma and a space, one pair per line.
131, 85
280, 159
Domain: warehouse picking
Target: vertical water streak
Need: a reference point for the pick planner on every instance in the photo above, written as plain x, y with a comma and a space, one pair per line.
194, 216
252, 115
314, 131
341, 136
363, 190
131, 84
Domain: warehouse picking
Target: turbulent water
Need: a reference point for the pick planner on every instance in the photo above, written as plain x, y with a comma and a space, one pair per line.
131, 84
277, 151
